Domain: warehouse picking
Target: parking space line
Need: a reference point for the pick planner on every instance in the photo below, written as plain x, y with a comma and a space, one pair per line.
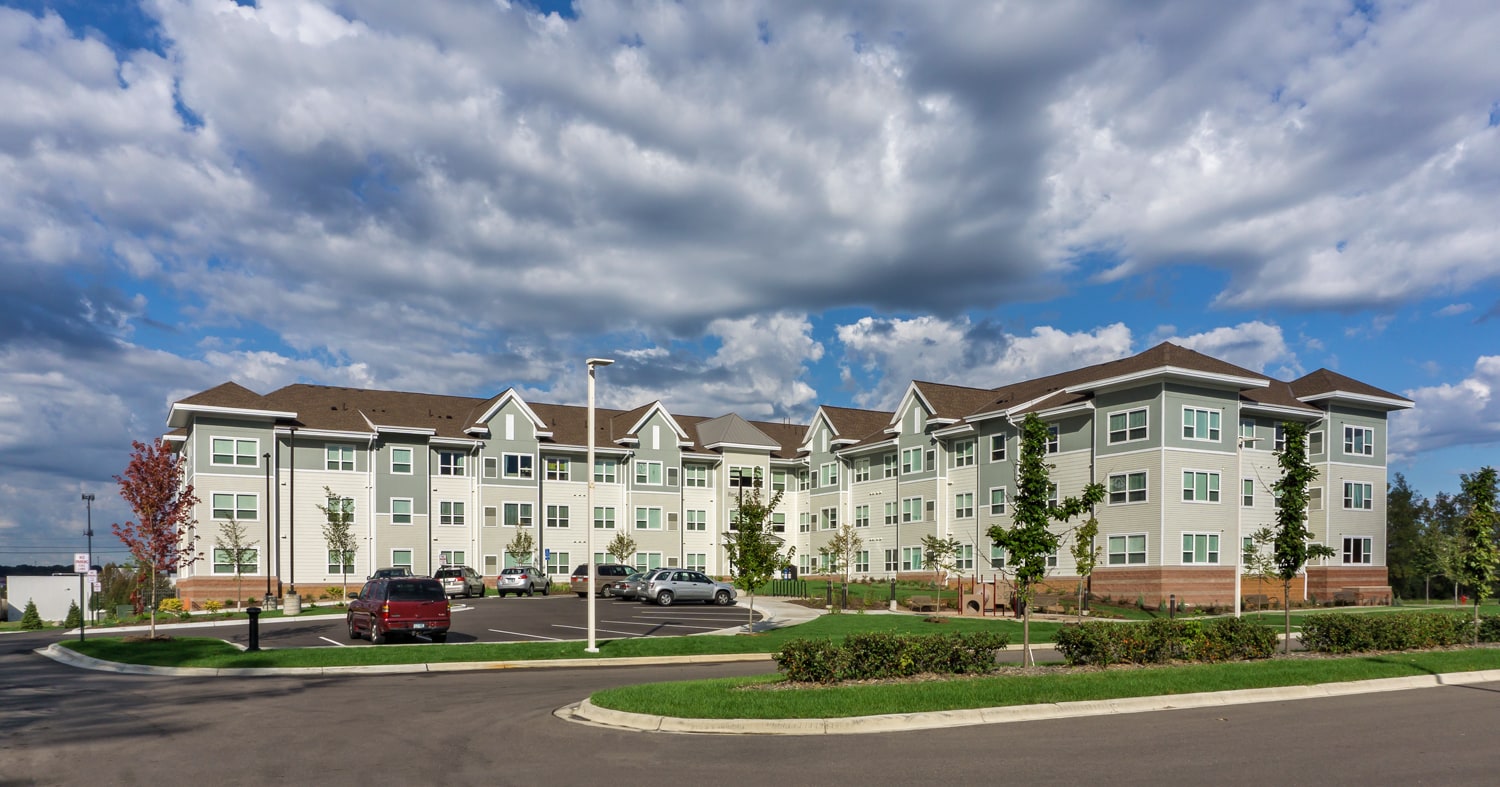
334, 641
520, 634
607, 631
660, 623
692, 617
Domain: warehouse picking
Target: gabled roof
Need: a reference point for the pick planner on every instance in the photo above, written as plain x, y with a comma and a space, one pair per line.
732, 431
229, 398
1324, 384
484, 413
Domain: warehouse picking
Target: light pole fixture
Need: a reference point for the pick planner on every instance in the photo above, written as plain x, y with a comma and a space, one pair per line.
592, 363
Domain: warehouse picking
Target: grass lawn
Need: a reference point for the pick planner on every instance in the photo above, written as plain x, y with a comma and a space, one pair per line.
204, 652
736, 698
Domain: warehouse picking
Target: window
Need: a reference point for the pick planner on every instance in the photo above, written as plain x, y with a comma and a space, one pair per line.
647, 518
228, 505
450, 463
1127, 426
997, 556
1247, 492
911, 558
605, 471
963, 559
519, 466
804, 522
778, 480
491, 467
491, 565
604, 517
695, 475
744, 477
911, 509
830, 519
861, 470
401, 461
1357, 496
557, 516
997, 448
451, 512
334, 564
862, 516
891, 563
1200, 487
401, 558
339, 457
888, 466
559, 563
997, 501
1200, 548
559, 468
1356, 550
697, 561
249, 561
963, 453
1247, 430
451, 557
828, 474
1127, 550
1278, 439
1052, 495
400, 510
963, 505
1359, 441
911, 461
778, 522
340, 507
1053, 444
892, 512
517, 514
234, 451
697, 521
645, 561
1127, 488
1315, 443
647, 473
1200, 424
862, 561
491, 516
931, 459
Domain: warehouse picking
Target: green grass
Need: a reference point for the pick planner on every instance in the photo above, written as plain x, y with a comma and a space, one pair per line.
727, 699
204, 652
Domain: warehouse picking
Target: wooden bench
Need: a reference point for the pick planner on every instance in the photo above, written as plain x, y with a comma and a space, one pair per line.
922, 604
1346, 598
1258, 601
1042, 602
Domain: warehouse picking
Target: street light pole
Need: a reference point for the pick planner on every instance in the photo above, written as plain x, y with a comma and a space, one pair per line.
265, 508
88, 501
593, 646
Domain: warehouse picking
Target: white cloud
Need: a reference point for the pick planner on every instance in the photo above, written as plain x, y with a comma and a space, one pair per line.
1454, 309
1254, 345
1463, 413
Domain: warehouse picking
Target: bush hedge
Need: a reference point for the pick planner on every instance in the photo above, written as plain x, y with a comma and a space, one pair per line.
1163, 640
1349, 633
876, 655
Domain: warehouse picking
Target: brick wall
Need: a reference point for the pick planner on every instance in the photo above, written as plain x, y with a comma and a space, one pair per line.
1195, 586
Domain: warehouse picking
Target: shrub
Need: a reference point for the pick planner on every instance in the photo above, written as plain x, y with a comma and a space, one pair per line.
74, 618
30, 620
1346, 633
170, 605
213, 605
876, 655
335, 593
1163, 640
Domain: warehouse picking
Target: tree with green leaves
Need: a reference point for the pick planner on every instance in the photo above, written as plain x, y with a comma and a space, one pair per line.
1478, 557
31, 620
1085, 556
1030, 540
622, 548
523, 547
1437, 555
162, 538
238, 549
75, 616
1403, 528
753, 550
1292, 545
939, 555
338, 531
840, 551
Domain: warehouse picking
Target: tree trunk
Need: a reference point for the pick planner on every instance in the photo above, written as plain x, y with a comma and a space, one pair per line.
1286, 610
153, 604
1027, 660
1476, 619
750, 618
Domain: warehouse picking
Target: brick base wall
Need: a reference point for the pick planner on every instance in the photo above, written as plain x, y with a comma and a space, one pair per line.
1369, 583
197, 590
1153, 586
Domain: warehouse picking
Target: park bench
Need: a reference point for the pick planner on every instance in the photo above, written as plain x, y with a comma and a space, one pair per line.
1258, 601
922, 604
1346, 598
1043, 602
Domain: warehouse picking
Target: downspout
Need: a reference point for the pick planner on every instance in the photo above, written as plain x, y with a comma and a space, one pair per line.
291, 511
430, 513
370, 502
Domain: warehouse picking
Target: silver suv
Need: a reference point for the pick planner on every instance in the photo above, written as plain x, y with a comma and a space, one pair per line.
460, 581
522, 579
668, 585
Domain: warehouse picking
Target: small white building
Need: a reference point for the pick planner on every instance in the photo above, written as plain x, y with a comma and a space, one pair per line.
52, 596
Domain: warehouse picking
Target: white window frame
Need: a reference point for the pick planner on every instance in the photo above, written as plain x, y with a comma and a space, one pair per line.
911, 558
606, 471
862, 561
997, 556
862, 515
892, 512
963, 453
518, 467
1210, 544
1127, 431
828, 474
236, 453
559, 563
892, 560
1358, 496
333, 563
997, 447
890, 465
250, 566
695, 475
963, 505
604, 518
1213, 486
559, 468
999, 503
451, 513
1129, 495
911, 461
491, 516
491, 467
1213, 424
397, 561
1363, 555
517, 514
558, 516
409, 513
695, 520
649, 472
452, 463
907, 505
648, 518
696, 561
861, 470
396, 463
1127, 553
235, 509
828, 518
1315, 445
1359, 441
746, 477
1315, 498
343, 462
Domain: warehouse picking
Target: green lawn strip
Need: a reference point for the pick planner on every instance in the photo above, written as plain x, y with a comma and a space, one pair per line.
191, 652
725, 699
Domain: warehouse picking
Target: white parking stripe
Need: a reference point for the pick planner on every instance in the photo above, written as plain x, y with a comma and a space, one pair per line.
661, 616
519, 634
596, 628
654, 624
334, 641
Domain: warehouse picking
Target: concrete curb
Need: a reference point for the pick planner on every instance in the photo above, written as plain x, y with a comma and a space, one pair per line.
588, 713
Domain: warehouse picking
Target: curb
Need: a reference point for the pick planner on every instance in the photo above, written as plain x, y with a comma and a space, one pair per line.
585, 712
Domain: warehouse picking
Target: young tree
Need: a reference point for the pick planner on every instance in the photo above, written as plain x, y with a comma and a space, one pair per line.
1436, 556
622, 548
1030, 541
235, 543
1085, 556
842, 549
1292, 547
1403, 527
522, 547
754, 552
1477, 556
163, 539
31, 620
939, 556
338, 531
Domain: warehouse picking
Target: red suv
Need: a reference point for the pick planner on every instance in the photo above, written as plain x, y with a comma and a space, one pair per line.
399, 605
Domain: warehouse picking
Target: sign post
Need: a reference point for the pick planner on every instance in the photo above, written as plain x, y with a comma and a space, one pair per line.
81, 568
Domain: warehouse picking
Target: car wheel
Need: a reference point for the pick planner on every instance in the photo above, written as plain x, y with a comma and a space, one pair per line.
482, 589
608, 592
722, 598
377, 637
547, 588
439, 637
664, 598
530, 590
353, 632
583, 595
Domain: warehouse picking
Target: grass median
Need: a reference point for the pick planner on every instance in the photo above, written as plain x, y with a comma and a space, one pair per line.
748, 698
217, 654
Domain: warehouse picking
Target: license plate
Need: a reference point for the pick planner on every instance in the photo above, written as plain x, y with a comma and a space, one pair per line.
419, 625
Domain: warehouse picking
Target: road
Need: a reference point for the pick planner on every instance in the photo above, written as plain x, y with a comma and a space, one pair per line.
59, 725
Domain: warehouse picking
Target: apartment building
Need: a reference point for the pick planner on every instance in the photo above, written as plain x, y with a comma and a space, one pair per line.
1184, 443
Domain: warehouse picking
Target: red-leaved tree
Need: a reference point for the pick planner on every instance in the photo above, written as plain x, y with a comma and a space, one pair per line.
162, 538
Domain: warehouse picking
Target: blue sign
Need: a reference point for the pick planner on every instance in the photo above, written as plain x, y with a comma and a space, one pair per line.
546, 554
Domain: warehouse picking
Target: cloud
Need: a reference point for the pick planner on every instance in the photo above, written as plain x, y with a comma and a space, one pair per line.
1463, 413
1254, 345
1454, 309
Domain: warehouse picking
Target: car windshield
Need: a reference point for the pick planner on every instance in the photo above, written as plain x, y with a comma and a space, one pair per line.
416, 591
514, 571
448, 572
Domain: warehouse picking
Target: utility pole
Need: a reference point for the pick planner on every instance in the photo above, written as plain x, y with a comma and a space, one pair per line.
88, 501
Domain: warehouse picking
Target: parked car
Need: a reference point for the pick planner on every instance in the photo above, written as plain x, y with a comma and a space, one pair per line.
399, 605
523, 579
630, 586
460, 581
605, 575
386, 573
667, 586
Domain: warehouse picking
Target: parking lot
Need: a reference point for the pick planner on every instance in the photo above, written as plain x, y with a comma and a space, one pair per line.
560, 616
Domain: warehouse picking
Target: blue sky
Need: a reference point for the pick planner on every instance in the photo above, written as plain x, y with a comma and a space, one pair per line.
754, 207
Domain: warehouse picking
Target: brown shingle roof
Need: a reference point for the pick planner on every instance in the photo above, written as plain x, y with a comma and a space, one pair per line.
1324, 381
230, 394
